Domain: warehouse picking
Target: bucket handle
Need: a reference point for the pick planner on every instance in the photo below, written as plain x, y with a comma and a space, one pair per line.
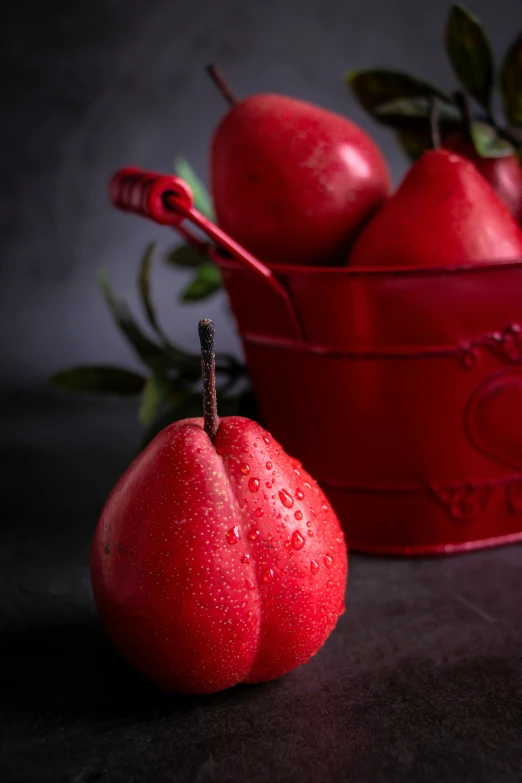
168, 200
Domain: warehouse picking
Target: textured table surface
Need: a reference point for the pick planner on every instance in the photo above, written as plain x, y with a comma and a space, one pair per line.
421, 681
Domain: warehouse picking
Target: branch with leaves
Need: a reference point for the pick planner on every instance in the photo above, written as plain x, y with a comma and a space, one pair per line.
170, 388
402, 102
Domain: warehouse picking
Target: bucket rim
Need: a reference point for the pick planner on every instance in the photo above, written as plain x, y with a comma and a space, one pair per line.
294, 270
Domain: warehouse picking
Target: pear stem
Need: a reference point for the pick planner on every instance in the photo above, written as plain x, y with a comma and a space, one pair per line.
434, 123
207, 332
218, 77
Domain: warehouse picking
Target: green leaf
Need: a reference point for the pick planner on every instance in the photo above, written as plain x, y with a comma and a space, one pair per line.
164, 358
414, 144
412, 114
186, 256
373, 87
149, 352
487, 143
98, 379
206, 282
511, 83
469, 51
179, 358
157, 391
201, 197
144, 285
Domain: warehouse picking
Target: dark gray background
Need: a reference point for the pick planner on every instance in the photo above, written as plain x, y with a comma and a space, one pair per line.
89, 87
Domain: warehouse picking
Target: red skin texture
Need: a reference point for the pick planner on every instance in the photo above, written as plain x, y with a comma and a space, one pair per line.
503, 174
187, 608
444, 214
294, 183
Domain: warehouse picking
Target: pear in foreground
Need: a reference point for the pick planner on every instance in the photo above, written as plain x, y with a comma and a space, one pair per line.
217, 559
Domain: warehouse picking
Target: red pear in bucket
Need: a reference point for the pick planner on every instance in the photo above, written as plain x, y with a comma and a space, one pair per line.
217, 559
444, 214
291, 182
504, 174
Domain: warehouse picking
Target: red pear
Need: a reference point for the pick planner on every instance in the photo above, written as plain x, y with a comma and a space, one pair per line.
444, 214
503, 174
217, 559
294, 183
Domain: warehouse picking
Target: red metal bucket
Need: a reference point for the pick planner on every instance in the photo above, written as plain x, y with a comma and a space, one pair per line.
401, 392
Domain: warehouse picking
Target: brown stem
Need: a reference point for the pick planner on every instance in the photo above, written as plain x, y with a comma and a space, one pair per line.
217, 76
434, 123
462, 102
207, 331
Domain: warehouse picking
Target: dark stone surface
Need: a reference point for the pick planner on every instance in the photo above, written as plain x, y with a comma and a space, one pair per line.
420, 683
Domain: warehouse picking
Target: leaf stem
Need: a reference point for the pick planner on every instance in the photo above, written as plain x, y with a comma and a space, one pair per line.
207, 331
434, 122
462, 102
218, 77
